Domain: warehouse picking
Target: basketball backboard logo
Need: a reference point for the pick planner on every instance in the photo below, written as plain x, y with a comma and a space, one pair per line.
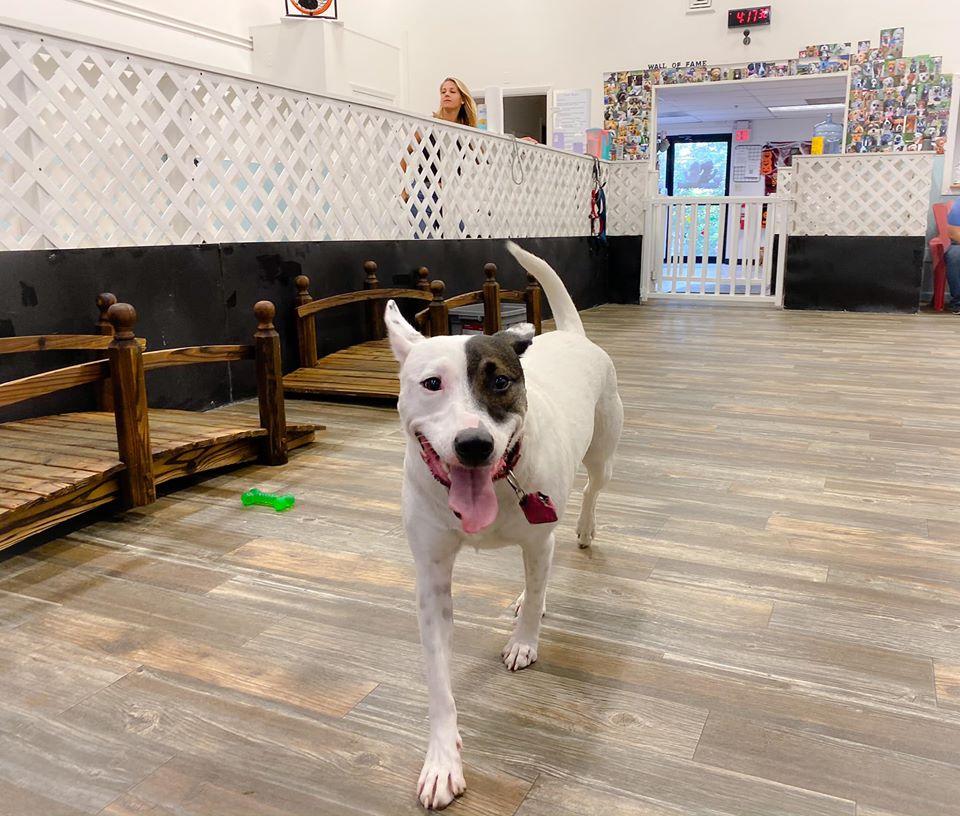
319, 9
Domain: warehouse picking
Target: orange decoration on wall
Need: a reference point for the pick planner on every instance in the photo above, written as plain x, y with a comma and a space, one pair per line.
766, 162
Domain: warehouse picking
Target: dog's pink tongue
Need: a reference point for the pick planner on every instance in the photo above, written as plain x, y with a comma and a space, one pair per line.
472, 497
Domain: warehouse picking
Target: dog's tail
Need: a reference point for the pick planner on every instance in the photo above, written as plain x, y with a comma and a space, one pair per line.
564, 312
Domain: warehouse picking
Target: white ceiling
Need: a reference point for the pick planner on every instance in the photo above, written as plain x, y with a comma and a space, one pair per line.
747, 99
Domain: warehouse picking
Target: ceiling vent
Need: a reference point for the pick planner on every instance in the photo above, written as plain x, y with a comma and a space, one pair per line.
699, 5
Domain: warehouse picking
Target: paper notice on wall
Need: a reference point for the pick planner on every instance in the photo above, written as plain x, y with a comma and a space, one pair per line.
746, 162
571, 119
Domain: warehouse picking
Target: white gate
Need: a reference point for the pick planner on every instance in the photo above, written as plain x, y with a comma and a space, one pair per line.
722, 249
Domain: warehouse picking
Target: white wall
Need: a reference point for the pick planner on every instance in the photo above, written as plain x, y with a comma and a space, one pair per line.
566, 44
555, 43
216, 34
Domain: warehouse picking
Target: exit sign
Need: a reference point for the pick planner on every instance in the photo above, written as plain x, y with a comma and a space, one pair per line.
741, 135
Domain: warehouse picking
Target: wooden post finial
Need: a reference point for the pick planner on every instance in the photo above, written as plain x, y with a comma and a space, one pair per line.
265, 311
438, 314
266, 341
306, 326
123, 317
423, 279
534, 309
104, 301
137, 483
491, 300
105, 329
373, 308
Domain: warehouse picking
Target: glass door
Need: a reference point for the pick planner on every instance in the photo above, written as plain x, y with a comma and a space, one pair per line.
698, 166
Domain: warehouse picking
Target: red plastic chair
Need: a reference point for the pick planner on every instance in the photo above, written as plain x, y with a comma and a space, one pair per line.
938, 251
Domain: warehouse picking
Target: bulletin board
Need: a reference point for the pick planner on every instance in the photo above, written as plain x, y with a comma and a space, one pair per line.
745, 166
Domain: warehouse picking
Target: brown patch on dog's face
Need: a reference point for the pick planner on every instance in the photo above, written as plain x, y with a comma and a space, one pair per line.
495, 377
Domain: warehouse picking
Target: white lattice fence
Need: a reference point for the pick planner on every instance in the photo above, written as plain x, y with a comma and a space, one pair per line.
861, 195
104, 148
628, 191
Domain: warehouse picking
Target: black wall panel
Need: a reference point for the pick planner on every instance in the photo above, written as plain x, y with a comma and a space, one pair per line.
624, 268
176, 289
191, 295
863, 274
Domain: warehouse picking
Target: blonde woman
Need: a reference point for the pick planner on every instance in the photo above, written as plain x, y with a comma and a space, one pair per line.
456, 106
456, 103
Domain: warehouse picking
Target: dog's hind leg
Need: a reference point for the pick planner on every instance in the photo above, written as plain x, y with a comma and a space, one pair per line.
598, 460
521, 649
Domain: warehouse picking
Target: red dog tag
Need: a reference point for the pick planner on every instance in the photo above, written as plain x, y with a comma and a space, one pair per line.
536, 507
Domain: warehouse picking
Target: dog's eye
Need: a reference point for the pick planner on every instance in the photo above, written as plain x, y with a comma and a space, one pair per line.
501, 383
432, 383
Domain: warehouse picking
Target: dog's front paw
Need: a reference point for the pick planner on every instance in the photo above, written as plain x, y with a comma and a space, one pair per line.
518, 654
586, 532
441, 780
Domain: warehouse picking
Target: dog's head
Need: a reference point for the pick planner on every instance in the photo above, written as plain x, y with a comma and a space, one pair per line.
463, 399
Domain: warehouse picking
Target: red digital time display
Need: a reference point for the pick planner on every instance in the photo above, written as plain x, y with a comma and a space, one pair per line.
754, 16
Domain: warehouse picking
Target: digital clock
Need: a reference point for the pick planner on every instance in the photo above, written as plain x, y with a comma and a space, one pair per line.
747, 17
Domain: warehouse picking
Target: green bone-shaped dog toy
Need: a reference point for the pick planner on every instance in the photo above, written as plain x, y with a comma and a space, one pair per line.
277, 502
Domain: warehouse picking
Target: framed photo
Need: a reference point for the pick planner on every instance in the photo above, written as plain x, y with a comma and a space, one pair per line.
312, 9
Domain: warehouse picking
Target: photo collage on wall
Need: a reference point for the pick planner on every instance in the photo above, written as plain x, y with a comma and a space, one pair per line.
896, 104
628, 95
627, 100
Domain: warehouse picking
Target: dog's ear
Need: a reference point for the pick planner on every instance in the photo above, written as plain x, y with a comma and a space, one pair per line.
519, 337
402, 335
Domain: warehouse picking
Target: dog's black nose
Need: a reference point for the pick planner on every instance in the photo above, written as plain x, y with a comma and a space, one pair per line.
473, 446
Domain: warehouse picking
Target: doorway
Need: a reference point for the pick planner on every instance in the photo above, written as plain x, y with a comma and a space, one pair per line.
526, 115
718, 227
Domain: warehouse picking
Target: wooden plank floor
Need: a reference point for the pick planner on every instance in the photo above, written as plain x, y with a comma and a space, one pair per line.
769, 622
365, 371
53, 468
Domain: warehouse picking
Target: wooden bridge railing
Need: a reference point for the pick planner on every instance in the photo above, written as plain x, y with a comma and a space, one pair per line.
491, 296
436, 320
124, 373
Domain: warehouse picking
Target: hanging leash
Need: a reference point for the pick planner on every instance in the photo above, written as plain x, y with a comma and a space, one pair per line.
517, 163
598, 204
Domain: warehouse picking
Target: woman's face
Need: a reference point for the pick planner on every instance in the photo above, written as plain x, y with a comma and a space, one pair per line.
450, 98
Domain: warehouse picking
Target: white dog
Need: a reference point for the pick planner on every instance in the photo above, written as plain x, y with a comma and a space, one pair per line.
484, 416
